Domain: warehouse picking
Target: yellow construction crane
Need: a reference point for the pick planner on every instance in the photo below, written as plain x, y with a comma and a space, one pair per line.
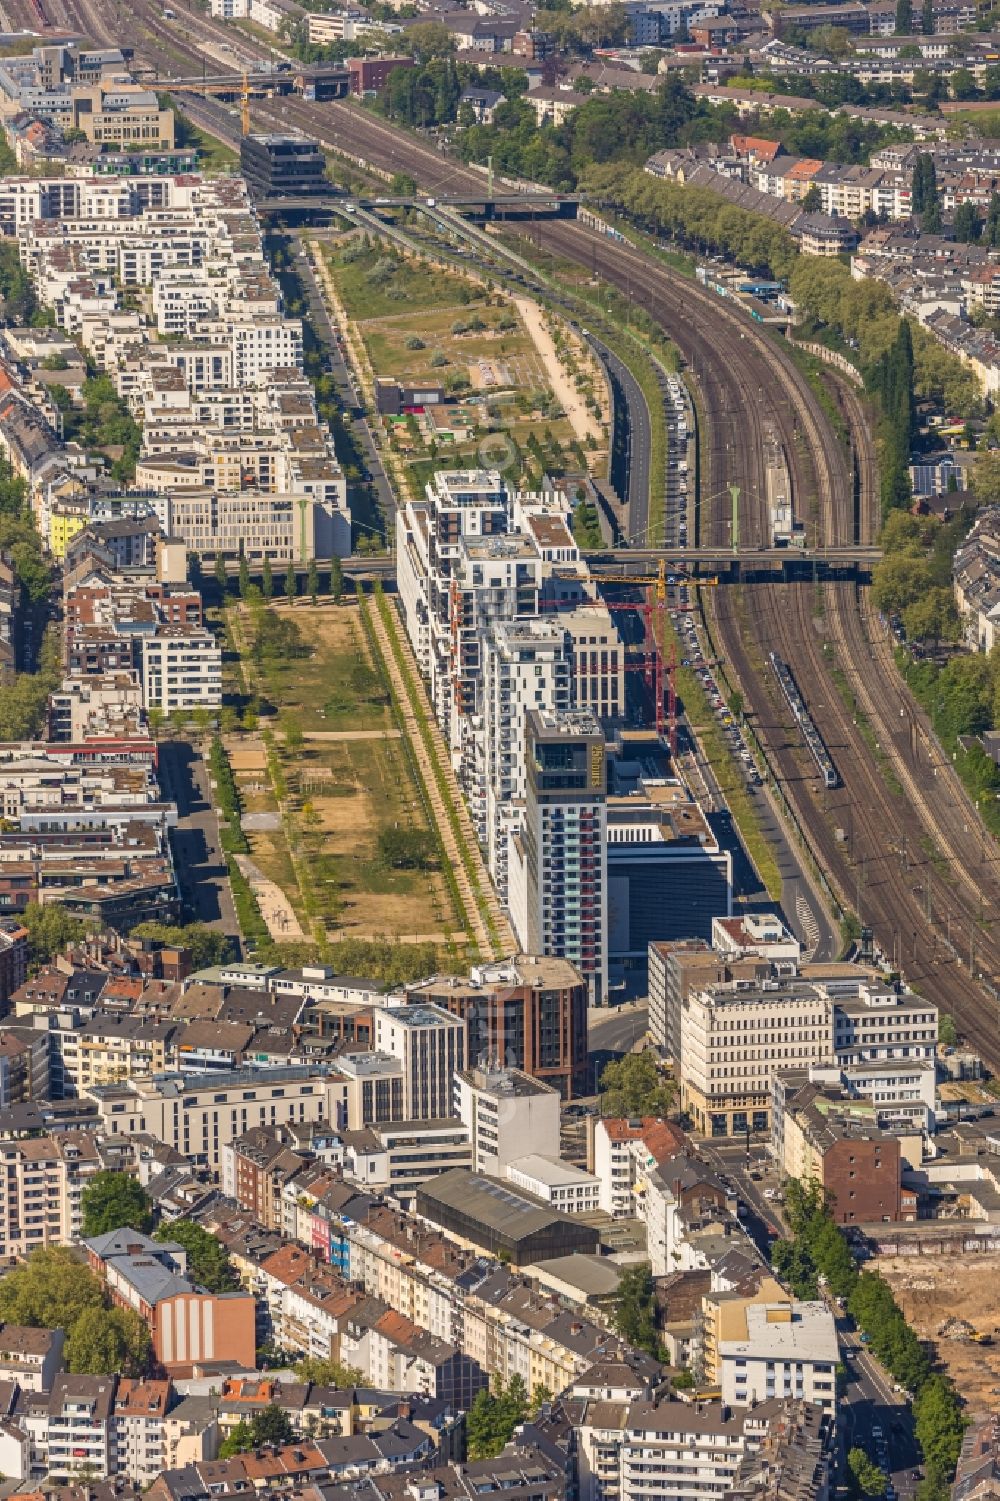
658, 580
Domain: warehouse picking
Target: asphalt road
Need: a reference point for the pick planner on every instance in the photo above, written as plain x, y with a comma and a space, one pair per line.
347, 391
876, 1418
873, 1415
611, 1032
198, 858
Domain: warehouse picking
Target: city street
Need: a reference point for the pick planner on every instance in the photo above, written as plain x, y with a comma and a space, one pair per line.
878, 1419
343, 378
198, 858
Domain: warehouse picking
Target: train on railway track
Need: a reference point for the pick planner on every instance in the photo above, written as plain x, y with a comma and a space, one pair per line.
810, 733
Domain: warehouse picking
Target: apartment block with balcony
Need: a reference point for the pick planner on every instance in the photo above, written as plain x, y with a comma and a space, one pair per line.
558, 863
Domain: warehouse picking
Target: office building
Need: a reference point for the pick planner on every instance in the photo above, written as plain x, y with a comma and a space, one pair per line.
733, 1037
526, 1013
283, 166
507, 1115
430, 1043
557, 1183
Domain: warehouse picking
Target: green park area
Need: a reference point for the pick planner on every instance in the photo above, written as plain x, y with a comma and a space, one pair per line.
330, 805
521, 392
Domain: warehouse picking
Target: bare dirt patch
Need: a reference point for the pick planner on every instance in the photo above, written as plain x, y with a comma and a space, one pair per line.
944, 1298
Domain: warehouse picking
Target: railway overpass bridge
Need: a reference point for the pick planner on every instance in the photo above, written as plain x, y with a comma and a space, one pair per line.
741, 565
750, 564
479, 205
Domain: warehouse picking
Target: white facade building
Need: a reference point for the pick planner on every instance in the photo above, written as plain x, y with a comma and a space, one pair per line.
560, 1184
431, 1045
508, 1115
790, 1350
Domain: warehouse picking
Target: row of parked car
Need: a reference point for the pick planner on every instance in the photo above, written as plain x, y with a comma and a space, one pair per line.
694, 657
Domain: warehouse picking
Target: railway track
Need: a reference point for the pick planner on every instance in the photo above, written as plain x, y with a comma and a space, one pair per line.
901, 862
914, 861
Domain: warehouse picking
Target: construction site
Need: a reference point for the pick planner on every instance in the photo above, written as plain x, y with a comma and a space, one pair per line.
951, 1302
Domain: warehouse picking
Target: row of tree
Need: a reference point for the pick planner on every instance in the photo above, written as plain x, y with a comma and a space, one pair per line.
890, 380
268, 588
818, 1249
899, 359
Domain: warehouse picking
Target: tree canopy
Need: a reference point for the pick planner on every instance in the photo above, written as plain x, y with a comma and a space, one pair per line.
108, 1339
206, 945
635, 1309
49, 1290
207, 1259
495, 1414
272, 1426
328, 1373
111, 1200
53, 1289
818, 1248
50, 929
633, 1085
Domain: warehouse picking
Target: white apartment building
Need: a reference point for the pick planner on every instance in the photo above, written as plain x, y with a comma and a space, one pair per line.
199, 1116
690, 1451
139, 1429
397, 1158
31, 1357
526, 665
44, 1177
73, 1432
883, 1021
507, 1114
790, 1350
598, 660
560, 1184
181, 669
285, 528
624, 1152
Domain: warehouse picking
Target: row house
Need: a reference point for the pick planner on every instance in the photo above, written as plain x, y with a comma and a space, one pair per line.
109, 1425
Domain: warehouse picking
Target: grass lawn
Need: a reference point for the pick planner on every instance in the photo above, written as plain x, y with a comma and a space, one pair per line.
406, 285
213, 154
415, 322
332, 689
343, 791
508, 350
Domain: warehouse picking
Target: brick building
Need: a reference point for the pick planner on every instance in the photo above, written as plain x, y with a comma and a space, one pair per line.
188, 1326
525, 1013
838, 1142
369, 74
